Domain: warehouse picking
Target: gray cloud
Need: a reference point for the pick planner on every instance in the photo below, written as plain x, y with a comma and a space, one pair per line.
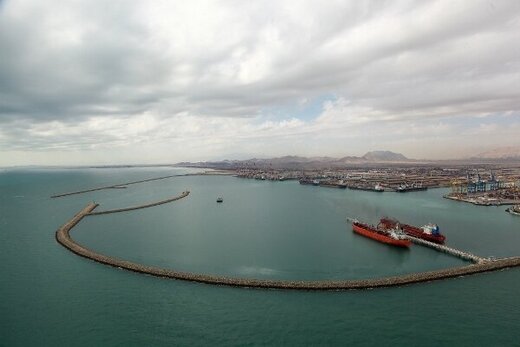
84, 62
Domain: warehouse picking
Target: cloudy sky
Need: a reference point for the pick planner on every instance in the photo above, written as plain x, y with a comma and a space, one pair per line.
102, 82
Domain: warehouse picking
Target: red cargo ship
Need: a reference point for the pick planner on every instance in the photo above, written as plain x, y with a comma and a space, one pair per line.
428, 232
385, 236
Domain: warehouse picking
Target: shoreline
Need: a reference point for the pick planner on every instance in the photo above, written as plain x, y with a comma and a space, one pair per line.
476, 201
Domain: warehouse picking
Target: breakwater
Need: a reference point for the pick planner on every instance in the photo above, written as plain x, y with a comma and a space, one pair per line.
64, 238
114, 186
157, 203
125, 184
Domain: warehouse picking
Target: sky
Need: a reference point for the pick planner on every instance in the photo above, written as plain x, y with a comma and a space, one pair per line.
143, 82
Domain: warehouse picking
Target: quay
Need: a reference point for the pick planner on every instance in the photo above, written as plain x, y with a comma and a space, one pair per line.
449, 250
482, 200
175, 198
63, 237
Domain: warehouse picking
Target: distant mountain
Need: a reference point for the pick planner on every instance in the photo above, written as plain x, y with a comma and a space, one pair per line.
383, 156
298, 163
502, 153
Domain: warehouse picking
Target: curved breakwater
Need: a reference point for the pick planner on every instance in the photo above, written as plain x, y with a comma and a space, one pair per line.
64, 238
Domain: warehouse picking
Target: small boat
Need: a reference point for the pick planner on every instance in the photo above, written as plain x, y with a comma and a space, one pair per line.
219, 199
514, 210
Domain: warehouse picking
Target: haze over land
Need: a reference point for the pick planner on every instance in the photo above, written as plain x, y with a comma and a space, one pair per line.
114, 82
370, 159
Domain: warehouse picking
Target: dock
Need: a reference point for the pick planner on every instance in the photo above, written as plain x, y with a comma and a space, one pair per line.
449, 250
442, 248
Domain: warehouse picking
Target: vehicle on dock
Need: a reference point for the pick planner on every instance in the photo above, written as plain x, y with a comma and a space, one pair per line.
429, 232
219, 199
392, 237
514, 210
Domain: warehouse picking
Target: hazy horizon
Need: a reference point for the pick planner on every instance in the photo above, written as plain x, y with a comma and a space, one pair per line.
108, 83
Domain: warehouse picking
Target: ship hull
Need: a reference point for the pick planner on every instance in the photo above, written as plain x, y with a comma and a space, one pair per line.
368, 189
416, 232
412, 231
333, 185
367, 231
513, 211
412, 189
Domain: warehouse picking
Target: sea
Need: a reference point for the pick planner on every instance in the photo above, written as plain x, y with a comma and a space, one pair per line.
267, 230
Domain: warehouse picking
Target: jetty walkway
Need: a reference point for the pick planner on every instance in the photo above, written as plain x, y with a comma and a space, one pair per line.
115, 186
64, 238
449, 250
157, 203
124, 185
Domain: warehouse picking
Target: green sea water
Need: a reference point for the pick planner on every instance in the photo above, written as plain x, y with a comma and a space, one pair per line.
275, 230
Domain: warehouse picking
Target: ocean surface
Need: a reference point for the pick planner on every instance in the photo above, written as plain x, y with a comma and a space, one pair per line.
275, 230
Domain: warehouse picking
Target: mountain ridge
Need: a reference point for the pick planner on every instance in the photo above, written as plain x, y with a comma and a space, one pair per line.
506, 155
500, 153
300, 162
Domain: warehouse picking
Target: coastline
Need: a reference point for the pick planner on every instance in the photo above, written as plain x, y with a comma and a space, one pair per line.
482, 202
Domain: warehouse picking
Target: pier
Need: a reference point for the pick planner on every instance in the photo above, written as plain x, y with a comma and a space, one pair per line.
114, 186
63, 237
449, 250
441, 248
125, 184
157, 203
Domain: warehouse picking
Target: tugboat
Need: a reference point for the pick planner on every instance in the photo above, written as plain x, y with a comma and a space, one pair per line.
514, 210
219, 199
379, 188
428, 232
392, 237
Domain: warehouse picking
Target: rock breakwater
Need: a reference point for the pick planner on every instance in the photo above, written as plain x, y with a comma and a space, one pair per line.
64, 238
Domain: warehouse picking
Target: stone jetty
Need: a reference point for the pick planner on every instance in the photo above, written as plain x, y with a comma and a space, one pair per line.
124, 185
115, 186
157, 203
63, 237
